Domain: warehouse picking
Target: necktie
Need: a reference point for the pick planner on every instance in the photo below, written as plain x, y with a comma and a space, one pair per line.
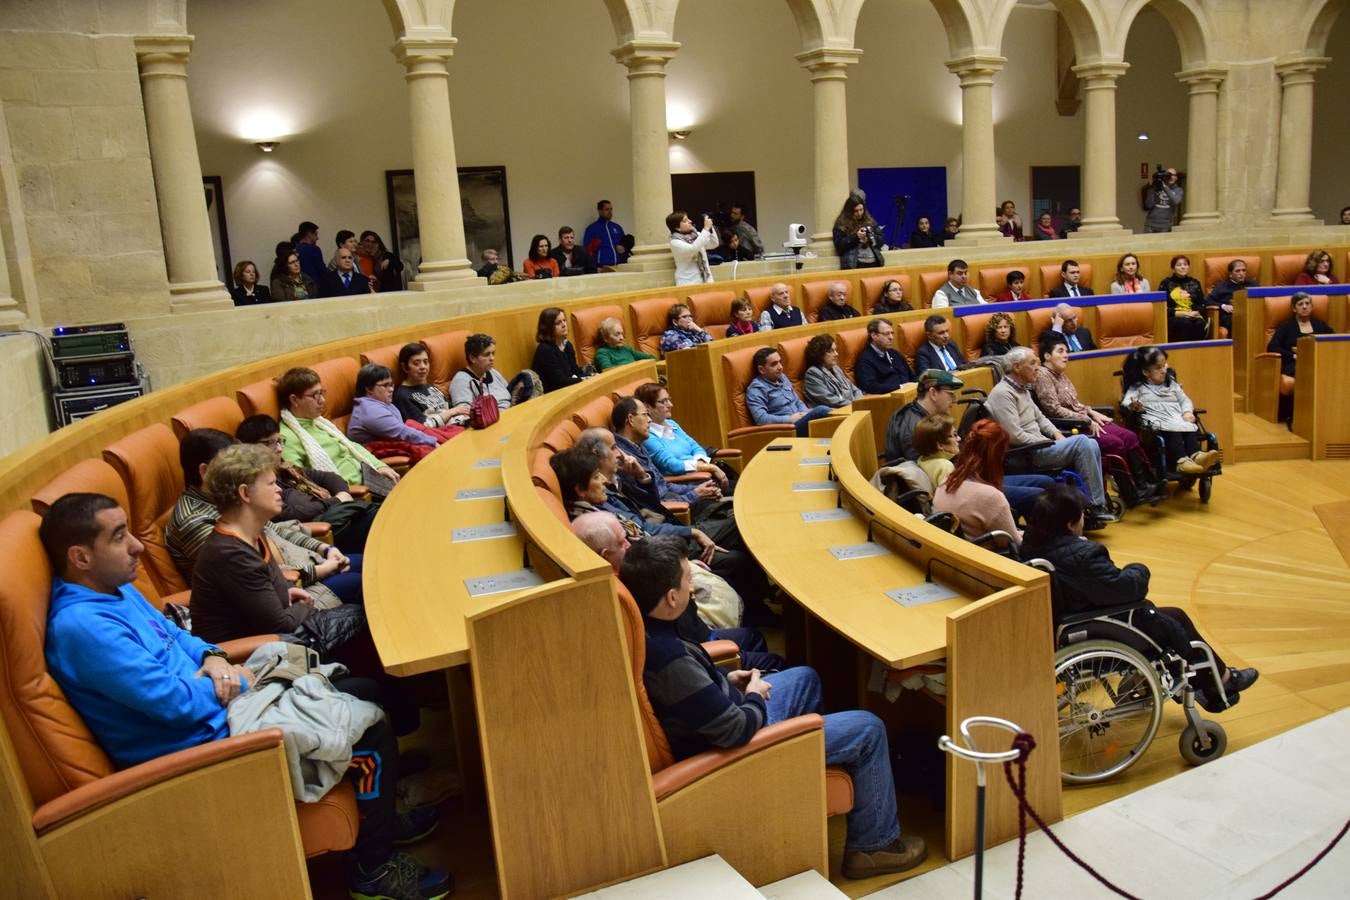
1073, 290
347, 280
1073, 342
947, 359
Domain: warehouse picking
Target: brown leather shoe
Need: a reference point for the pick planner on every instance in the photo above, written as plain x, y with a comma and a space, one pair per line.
902, 854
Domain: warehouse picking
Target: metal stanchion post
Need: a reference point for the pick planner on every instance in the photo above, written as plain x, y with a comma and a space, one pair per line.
979, 757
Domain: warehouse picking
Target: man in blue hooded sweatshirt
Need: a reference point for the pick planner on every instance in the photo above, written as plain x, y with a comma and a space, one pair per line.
147, 688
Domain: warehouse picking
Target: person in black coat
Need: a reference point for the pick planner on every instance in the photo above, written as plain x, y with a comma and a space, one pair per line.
937, 351
1285, 339
346, 280
572, 260
923, 235
388, 268
555, 362
880, 368
1064, 324
1072, 286
1085, 579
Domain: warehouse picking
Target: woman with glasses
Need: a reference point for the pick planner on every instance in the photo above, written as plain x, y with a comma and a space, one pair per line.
417, 399
673, 450
374, 415
288, 282
682, 332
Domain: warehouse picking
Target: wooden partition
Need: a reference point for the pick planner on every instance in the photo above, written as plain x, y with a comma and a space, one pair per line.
1321, 415
1256, 379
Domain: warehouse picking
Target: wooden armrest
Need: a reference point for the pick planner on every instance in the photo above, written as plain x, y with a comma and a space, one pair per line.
320, 531
689, 477
762, 429
726, 452
723, 652
679, 509
1268, 355
687, 771
292, 575
398, 463
241, 649
110, 788
358, 491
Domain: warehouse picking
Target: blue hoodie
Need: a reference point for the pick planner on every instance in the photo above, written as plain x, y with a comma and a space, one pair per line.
128, 671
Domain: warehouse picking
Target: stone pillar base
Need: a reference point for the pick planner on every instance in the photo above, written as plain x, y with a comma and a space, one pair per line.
1097, 228
194, 296
12, 319
435, 275
977, 236
821, 244
649, 258
1198, 221
1294, 216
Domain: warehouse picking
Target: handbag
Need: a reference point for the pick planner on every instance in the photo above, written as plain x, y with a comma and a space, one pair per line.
483, 410
325, 630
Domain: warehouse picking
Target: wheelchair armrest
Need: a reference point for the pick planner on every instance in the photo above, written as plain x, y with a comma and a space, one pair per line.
1199, 410
1081, 426
1103, 613
1104, 410
1022, 449
947, 521
689, 478
911, 494
995, 539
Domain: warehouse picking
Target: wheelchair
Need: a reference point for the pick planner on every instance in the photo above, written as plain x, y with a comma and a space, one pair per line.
1017, 461
1152, 443
1111, 680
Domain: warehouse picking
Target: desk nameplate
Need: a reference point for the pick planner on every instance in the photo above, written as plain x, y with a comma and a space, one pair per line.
859, 551
483, 493
494, 462
825, 515
814, 461
502, 582
482, 532
824, 442
920, 594
801, 486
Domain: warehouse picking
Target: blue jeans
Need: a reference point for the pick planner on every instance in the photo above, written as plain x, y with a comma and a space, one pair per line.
754, 651
347, 585
1022, 491
854, 740
816, 412
1080, 453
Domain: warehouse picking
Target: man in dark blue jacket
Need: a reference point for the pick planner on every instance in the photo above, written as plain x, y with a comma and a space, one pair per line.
880, 368
345, 280
604, 237
937, 351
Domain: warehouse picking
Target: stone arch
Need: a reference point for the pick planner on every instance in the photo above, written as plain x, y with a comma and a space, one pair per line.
1088, 24
419, 18
648, 19
1315, 25
1190, 26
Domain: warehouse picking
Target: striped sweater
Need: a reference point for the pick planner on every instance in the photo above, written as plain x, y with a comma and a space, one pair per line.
696, 705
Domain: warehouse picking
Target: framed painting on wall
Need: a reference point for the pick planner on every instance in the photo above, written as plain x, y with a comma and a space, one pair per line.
483, 204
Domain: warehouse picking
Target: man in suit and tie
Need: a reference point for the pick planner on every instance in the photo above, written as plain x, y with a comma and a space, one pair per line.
881, 368
937, 351
1072, 286
345, 280
1065, 322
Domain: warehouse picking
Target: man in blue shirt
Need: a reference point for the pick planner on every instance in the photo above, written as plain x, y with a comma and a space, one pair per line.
604, 237
147, 688
770, 398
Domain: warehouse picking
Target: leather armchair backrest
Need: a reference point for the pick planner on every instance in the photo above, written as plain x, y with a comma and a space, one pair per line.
969, 332
1124, 325
659, 755
1285, 267
542, 474
386, 356
813, 297
562, 437
793, 351
870, 291
1037, 321
647, 322
1216, 269
759, 297
553, 503
712, 310
147, 462
55, 749
738, 369
338, 377
909, 337
221, 413
594, 413
1277, 309
258, 398
445, 352
994, 280
1052, 277
584, 330
929, 282
850, 344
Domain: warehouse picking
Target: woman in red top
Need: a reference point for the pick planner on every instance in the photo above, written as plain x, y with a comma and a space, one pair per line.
539, 264
1317, 269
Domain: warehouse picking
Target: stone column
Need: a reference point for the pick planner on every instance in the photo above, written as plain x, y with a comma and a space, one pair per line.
440, 219
188, 250
1099, 145
1296, 129
829, 70
646, 61
977, 147
1202, 183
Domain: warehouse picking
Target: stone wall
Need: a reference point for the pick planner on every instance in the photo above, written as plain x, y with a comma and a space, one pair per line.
76, 130
23, 391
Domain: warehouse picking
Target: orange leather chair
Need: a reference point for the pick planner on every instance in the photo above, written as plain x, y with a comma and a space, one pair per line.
1216, 268
995, 280
759, 297
147, 463
668, 776
338, 377
71, 784
647, 322
870, 289
542, 474
1052, 277
562, 437
1268, 383
445, 352
1037, 321
1124, 325
929, 282
712, 310
743, 434
793, 351
909, 337
386, 356
258, 398
221, 413
814, 293
584, 329
968, 332
594, 413
1285, 267
850, 344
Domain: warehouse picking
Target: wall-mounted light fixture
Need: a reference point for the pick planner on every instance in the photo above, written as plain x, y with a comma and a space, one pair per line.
681, 134
266, 146
1142, 136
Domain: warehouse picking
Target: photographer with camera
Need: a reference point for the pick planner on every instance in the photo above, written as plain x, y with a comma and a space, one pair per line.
690, 247
857, 236
1162, 199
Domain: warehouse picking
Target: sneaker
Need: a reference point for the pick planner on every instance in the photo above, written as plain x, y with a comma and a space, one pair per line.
430, 787
1188, 466
1206, 459
902, 854
401, 877
1097, 517
415, 824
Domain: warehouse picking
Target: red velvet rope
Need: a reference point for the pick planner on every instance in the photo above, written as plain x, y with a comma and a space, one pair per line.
1024, 743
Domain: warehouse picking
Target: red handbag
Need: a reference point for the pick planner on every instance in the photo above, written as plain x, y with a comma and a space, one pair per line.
483, 409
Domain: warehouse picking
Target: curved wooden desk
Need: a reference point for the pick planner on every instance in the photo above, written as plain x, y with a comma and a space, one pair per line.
993, 626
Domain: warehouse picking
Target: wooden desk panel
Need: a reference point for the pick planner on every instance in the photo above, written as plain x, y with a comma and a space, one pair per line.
1321, 415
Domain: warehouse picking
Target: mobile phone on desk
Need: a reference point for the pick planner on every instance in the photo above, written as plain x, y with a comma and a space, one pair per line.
779, 447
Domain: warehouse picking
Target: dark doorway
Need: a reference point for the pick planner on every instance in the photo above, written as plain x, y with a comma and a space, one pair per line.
715, 193
1056, 190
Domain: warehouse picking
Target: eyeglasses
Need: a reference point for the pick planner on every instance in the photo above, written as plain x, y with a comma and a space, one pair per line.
316, 394
384, 384
275, 440
682, 316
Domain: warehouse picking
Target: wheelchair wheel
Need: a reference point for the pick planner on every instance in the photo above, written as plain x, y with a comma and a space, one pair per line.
1199, 749
1109, 707
1206, 488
